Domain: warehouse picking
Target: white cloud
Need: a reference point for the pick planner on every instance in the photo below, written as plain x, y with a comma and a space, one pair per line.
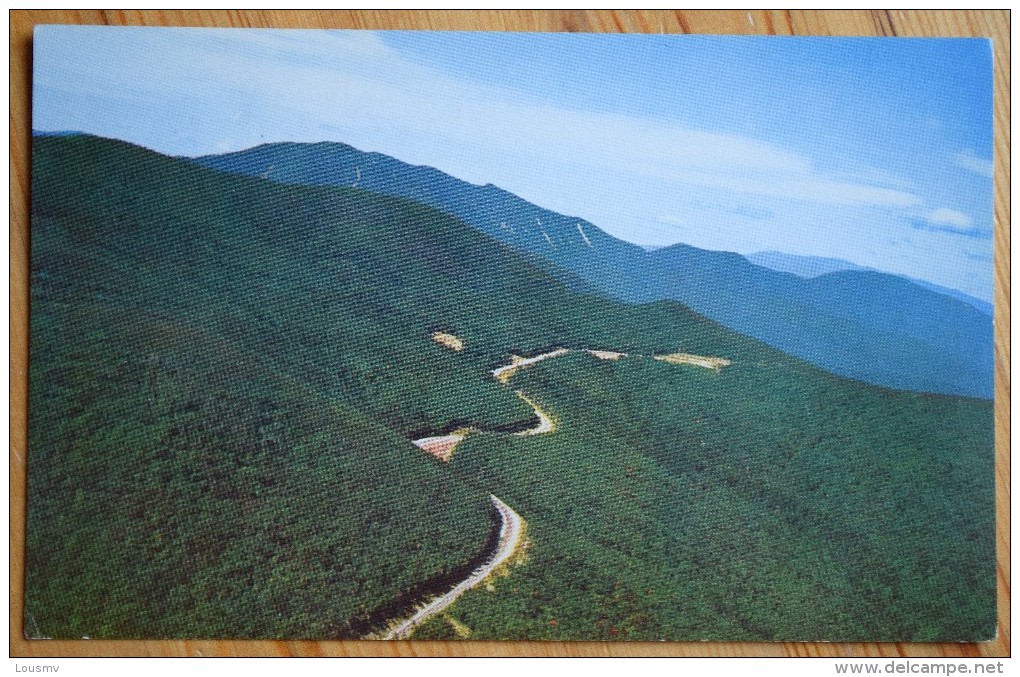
350, 86
968, 160
949, 217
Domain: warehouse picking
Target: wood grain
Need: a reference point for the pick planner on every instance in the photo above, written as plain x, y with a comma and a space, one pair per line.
993, 24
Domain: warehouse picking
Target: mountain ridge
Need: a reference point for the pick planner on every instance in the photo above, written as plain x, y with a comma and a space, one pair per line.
815, 266
228, 373
777, 308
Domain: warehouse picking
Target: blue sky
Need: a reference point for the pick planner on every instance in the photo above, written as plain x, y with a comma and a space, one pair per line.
878, 151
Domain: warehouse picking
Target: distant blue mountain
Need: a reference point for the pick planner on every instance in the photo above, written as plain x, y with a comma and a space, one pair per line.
984, 306
36, 132
813, 266
801, 266
870, 326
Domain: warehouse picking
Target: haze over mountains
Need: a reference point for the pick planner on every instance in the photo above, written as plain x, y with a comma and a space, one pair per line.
802, 266
861, 324
813, 266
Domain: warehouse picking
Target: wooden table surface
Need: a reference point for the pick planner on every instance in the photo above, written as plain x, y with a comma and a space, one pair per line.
994, 24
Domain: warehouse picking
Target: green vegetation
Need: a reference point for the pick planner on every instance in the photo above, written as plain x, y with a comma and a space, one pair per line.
183, 489
861, 324
762, 502
226, 373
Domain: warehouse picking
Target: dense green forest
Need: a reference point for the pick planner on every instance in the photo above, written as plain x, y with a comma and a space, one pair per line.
762, 502
226, 374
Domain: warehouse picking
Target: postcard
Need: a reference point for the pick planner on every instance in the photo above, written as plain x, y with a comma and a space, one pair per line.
410, 335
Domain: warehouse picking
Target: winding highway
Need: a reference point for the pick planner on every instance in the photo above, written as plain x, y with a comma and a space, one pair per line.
442, 446
510, 530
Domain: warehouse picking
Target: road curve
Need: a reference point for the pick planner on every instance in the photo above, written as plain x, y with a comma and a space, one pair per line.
503, 374
545, 424
509, 538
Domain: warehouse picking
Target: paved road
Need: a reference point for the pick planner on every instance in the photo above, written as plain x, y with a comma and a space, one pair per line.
545, 424
509, 536
503, 373
510, 530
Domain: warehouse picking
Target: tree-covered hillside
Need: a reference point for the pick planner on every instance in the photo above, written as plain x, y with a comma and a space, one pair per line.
226, 374
835, 323
225, 377
756, 503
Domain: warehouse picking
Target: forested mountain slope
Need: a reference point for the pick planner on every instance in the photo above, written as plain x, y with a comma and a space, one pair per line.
754, 300
227, 374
